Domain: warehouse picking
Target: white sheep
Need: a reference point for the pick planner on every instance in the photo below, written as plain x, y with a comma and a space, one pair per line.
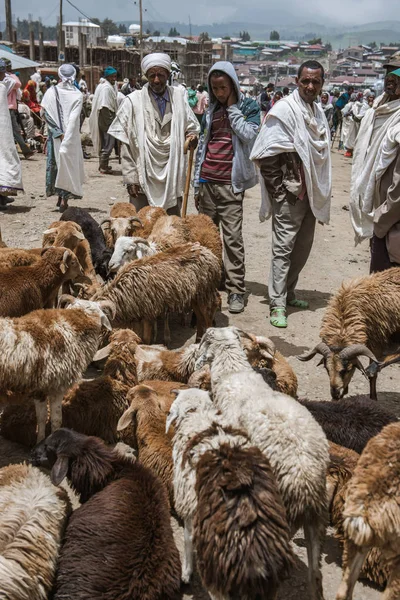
285, 432
127, 249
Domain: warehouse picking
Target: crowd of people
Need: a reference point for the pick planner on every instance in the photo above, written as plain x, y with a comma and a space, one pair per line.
280, 139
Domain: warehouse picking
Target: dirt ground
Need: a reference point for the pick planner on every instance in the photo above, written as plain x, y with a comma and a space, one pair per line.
333, 259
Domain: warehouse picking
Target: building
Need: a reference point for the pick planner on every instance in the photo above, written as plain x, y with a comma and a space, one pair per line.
72, 30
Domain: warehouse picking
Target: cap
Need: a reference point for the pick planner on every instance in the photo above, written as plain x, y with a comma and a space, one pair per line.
393, 62
396, 72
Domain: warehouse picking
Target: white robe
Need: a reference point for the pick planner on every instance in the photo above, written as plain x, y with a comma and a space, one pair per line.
10, 171
68, 152
161, 164
294, 126
105, 96
364, 196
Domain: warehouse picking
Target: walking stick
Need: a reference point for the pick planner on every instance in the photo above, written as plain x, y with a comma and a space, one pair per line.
187, 184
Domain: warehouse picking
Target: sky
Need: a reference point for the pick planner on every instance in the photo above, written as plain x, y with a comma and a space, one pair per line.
290, 12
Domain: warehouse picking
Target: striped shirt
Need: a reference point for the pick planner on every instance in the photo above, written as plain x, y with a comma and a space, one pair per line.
217, 165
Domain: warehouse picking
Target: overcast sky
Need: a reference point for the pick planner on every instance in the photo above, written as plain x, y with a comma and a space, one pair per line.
350, 12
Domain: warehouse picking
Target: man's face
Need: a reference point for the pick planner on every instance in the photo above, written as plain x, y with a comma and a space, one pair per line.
158, 79
310, 84
132, 81
392, 86
112, 78
222, 88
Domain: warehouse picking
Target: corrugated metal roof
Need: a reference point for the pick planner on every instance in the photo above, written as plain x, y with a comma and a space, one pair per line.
17, 62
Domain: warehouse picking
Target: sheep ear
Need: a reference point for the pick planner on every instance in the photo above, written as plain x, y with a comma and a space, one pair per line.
60, 470
49, 231
102, 353
125, 420
139, 253
79, 235
106, 322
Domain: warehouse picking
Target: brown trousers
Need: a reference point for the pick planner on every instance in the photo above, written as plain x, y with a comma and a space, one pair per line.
141, 201
225, 208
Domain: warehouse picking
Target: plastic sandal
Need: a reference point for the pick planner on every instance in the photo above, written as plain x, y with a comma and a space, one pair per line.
298, 303
278, 317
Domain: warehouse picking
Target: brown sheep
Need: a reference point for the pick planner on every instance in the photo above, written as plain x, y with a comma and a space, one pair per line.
359, 321
24, 289
371, 513
122, 209
169, 231
19, 257
123, 221
202, 229
149, 216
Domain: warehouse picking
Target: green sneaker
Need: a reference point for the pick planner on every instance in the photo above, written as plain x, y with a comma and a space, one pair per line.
278, 317
298, 303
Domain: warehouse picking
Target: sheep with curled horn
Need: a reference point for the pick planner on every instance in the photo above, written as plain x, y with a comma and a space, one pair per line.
116, 227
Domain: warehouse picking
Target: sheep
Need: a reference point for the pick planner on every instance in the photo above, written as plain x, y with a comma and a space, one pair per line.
359, 321
148, 413
149, 216
12, 453
224, 491
172, 280
45, 352
169, 231
202, 229
18, 257
125, 518
93, 233
371, 514
32, 521
285, 432
24, 289
352, 422
341, 468
127, 249
123, 221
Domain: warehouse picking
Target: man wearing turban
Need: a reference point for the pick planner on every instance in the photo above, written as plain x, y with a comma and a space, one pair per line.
153, 125
104, 108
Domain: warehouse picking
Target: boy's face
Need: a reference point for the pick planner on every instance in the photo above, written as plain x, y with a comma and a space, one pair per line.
222, 88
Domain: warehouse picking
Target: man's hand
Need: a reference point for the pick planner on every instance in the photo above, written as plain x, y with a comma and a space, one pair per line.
133, 189
232, 98
197, 201
191, 143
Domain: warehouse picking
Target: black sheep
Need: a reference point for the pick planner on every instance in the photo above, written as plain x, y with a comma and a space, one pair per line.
92, 231
351, 422
119, 543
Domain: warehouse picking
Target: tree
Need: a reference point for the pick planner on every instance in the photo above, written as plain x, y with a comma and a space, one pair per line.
328, 47
274, 36
314, 41
109, 27
372, 45
204, 37
156, 33
226, 37
173, 32
122, 28
245, 37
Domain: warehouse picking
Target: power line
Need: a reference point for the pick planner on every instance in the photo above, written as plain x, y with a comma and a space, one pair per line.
79, 11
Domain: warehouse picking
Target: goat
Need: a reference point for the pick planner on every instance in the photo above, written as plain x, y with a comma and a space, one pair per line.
371, 514
225, 490
45, 352
94, 234
352, 422
125, 516
285, 432
173, 280
359, 321
24, 289
32, 521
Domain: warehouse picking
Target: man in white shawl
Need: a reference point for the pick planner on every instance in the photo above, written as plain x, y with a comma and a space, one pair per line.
61, 108
293, 154
153, 124
10, 172
364, 193
104, 109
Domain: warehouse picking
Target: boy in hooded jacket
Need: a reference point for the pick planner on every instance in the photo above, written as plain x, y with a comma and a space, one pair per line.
224, 170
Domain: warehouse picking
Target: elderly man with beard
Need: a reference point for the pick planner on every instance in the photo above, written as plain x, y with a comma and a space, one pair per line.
153, 125
293, 154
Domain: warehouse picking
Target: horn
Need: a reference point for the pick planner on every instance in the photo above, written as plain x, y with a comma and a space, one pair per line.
106, 220
65, 299
49, 231
133, 219
357, 350
320, 348
110, 305
138, 240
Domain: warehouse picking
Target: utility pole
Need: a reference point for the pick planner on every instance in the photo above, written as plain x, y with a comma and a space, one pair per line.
60, 34
141, 30
190, 28
9, 28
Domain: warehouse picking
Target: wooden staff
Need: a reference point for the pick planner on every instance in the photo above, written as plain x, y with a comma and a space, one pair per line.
188, 176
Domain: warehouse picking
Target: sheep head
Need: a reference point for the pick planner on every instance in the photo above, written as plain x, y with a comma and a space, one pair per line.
101, 264
140, 397
260, 350
63, 233
186, 402
128, 249
121, 226
211, 341
104, 309
340, 364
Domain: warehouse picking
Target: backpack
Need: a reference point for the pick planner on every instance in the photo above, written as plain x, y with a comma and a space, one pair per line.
192, 98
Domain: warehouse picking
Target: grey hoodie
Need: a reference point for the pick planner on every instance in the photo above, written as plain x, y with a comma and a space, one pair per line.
244, 117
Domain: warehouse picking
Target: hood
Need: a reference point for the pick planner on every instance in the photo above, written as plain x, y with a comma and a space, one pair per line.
227, 68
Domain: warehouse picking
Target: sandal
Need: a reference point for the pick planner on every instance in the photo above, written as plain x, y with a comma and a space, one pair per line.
278, 317
298, 303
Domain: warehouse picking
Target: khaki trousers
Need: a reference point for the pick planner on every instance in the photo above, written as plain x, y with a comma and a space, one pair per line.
293, 227
225, 208
141, 201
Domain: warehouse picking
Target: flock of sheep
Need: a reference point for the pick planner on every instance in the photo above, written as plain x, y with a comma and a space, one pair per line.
211, 436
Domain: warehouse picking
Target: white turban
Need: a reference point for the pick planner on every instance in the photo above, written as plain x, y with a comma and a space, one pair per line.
67, 73
156, 59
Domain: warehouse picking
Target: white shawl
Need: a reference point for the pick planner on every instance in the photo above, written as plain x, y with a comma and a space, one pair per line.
10, 172
160, 163
63, 103
105, 96
292, 125
364, 194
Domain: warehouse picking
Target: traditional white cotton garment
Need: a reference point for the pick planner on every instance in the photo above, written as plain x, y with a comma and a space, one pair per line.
363, 191
292, 125
63, 103
10, 165
160, 163
105, 96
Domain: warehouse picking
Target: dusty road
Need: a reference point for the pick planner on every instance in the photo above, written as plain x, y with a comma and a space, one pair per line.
333, 259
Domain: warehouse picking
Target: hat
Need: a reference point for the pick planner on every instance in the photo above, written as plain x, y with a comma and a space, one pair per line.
396, 72
108, 71
156, 59
3, 66
393, 62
